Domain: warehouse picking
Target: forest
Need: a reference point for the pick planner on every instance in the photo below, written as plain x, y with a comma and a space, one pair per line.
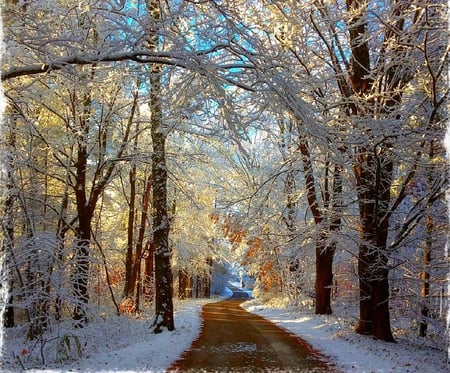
149, 145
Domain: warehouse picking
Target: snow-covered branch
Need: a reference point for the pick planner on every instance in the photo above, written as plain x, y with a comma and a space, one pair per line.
139, 56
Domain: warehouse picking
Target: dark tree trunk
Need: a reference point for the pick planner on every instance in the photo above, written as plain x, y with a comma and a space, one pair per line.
183, 283
374, 197
84, 213
86, 205
127, 292
207, 293
197, 286
81, 275
163, 272
161, 224
373, 168
8, 231
149, 272
425, 275
61, 234
426, 256
140, 240
138, 289
324, 250
324, 278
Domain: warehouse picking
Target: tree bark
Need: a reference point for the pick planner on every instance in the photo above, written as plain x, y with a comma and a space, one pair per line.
161, 224
209, 261
129, 285
84, 213
373, 197
324, 250
183, 281
163, 272
426, 256
140, 239
149, 279
8, 229
86, 202
324, 276
130, 234
373, 170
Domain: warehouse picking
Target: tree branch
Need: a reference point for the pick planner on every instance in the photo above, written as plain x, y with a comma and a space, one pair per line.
140, 56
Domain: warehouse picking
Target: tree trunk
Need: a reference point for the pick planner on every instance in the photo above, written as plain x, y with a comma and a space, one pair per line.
324, 277
130, 234
324, 250
149, 272
86, 205
140, 240
8, 230
373, 197
82, 262
138, 289
161, 224
425, 275
373, 169
163, 274
183, 281
209, 261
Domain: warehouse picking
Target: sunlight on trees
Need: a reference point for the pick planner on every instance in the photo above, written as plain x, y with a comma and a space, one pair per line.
147, 144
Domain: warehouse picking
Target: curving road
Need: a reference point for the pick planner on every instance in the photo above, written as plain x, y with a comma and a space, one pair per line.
234, 340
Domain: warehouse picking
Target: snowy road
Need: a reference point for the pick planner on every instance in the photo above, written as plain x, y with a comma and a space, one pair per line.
233, 339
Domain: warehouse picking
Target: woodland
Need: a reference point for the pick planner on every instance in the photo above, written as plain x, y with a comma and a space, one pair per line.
148, 145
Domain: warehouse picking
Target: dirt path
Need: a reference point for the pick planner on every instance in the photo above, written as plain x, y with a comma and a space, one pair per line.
234, 340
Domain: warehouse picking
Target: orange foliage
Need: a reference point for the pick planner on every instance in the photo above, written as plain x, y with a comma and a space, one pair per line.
215, 218
233, 232
254, 245
116, 276
268, 277
127, 306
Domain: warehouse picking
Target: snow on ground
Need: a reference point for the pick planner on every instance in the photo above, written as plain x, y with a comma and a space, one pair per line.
351, 352
125, 344
120, 344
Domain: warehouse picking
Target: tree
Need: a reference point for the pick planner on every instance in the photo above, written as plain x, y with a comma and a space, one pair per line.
161, 225
7, 248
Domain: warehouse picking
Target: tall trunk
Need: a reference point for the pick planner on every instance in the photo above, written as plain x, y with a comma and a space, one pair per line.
426, 256
324, 249
86, 205
149, 272
163, 272
324, 276
207, 294
8, 230
373, 197
161, 224
61, 234
82, 260
130, 234
183, 280
129, 263
84, 213
373, 169
140, 240
138, 286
